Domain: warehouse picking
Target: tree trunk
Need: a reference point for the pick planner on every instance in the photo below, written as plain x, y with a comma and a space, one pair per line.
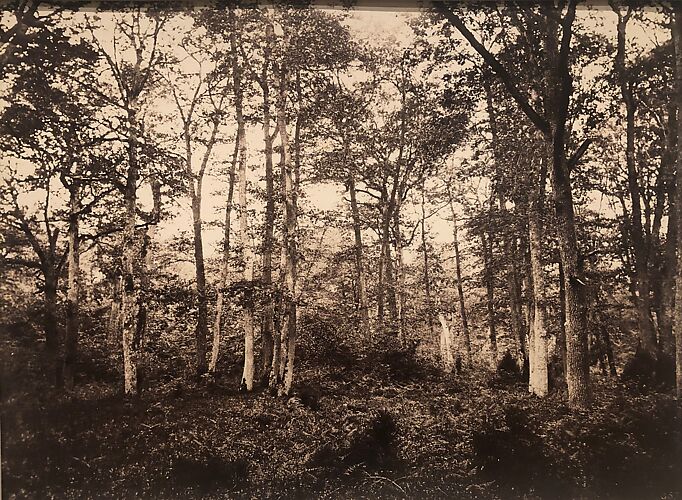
114, 324
247, 252
512, 277
363, 304
268, 346
446, 345
133, 302
225, 269
427, 278
288, 351
201, 330
50, 324
73, 293
678, 279
490, 295
538, 382
460, 291
400, 275
647, 329
560, 89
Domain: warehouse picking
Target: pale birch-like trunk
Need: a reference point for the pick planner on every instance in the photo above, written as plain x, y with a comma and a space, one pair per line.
268, 335
400, 274
490, 295
537, 352
427, 278
460, 291
446, 344
225, 266
288, 324
363, 304
247, 252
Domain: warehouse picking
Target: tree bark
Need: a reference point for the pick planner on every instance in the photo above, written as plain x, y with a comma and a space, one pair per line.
288, 351
490, 294
73, 293
247, 252
427, 278
647, 329
678, 279
400, 275
268, 335
363, 304
132, 302
560, 85
446, 354
225, 269
538, 382
460, 291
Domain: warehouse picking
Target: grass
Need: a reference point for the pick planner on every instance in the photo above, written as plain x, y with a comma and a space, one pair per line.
353, 431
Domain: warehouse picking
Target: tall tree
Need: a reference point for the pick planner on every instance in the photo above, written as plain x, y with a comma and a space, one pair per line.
557, 30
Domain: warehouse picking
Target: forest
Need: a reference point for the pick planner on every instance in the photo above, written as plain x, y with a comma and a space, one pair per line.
321, 250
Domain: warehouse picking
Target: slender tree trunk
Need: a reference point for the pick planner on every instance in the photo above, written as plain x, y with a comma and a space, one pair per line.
667, 286
460, 291
201, 330
52, 340
427, 278
383, 262
249, 364
73, 293
132, 304
446, 344
678, 279
512, 278
268, 335
647, 329
490, 295
114, 324
400, 275
288, 335
363, 304
538, 382
225, 269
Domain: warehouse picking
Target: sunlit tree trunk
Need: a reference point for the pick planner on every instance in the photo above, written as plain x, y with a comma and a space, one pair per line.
268, 335
247, 253
537, 351
490, 294
400, 275
288, 335
427, 278
446, 344
363, 304
458, 275
225, 266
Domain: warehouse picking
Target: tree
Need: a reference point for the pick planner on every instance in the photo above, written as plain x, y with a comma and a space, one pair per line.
132, 80
189, 108
552, 126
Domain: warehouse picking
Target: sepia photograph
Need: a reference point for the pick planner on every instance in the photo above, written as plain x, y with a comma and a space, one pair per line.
356, 249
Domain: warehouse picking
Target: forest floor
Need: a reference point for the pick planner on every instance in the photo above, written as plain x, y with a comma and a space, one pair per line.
383, 428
